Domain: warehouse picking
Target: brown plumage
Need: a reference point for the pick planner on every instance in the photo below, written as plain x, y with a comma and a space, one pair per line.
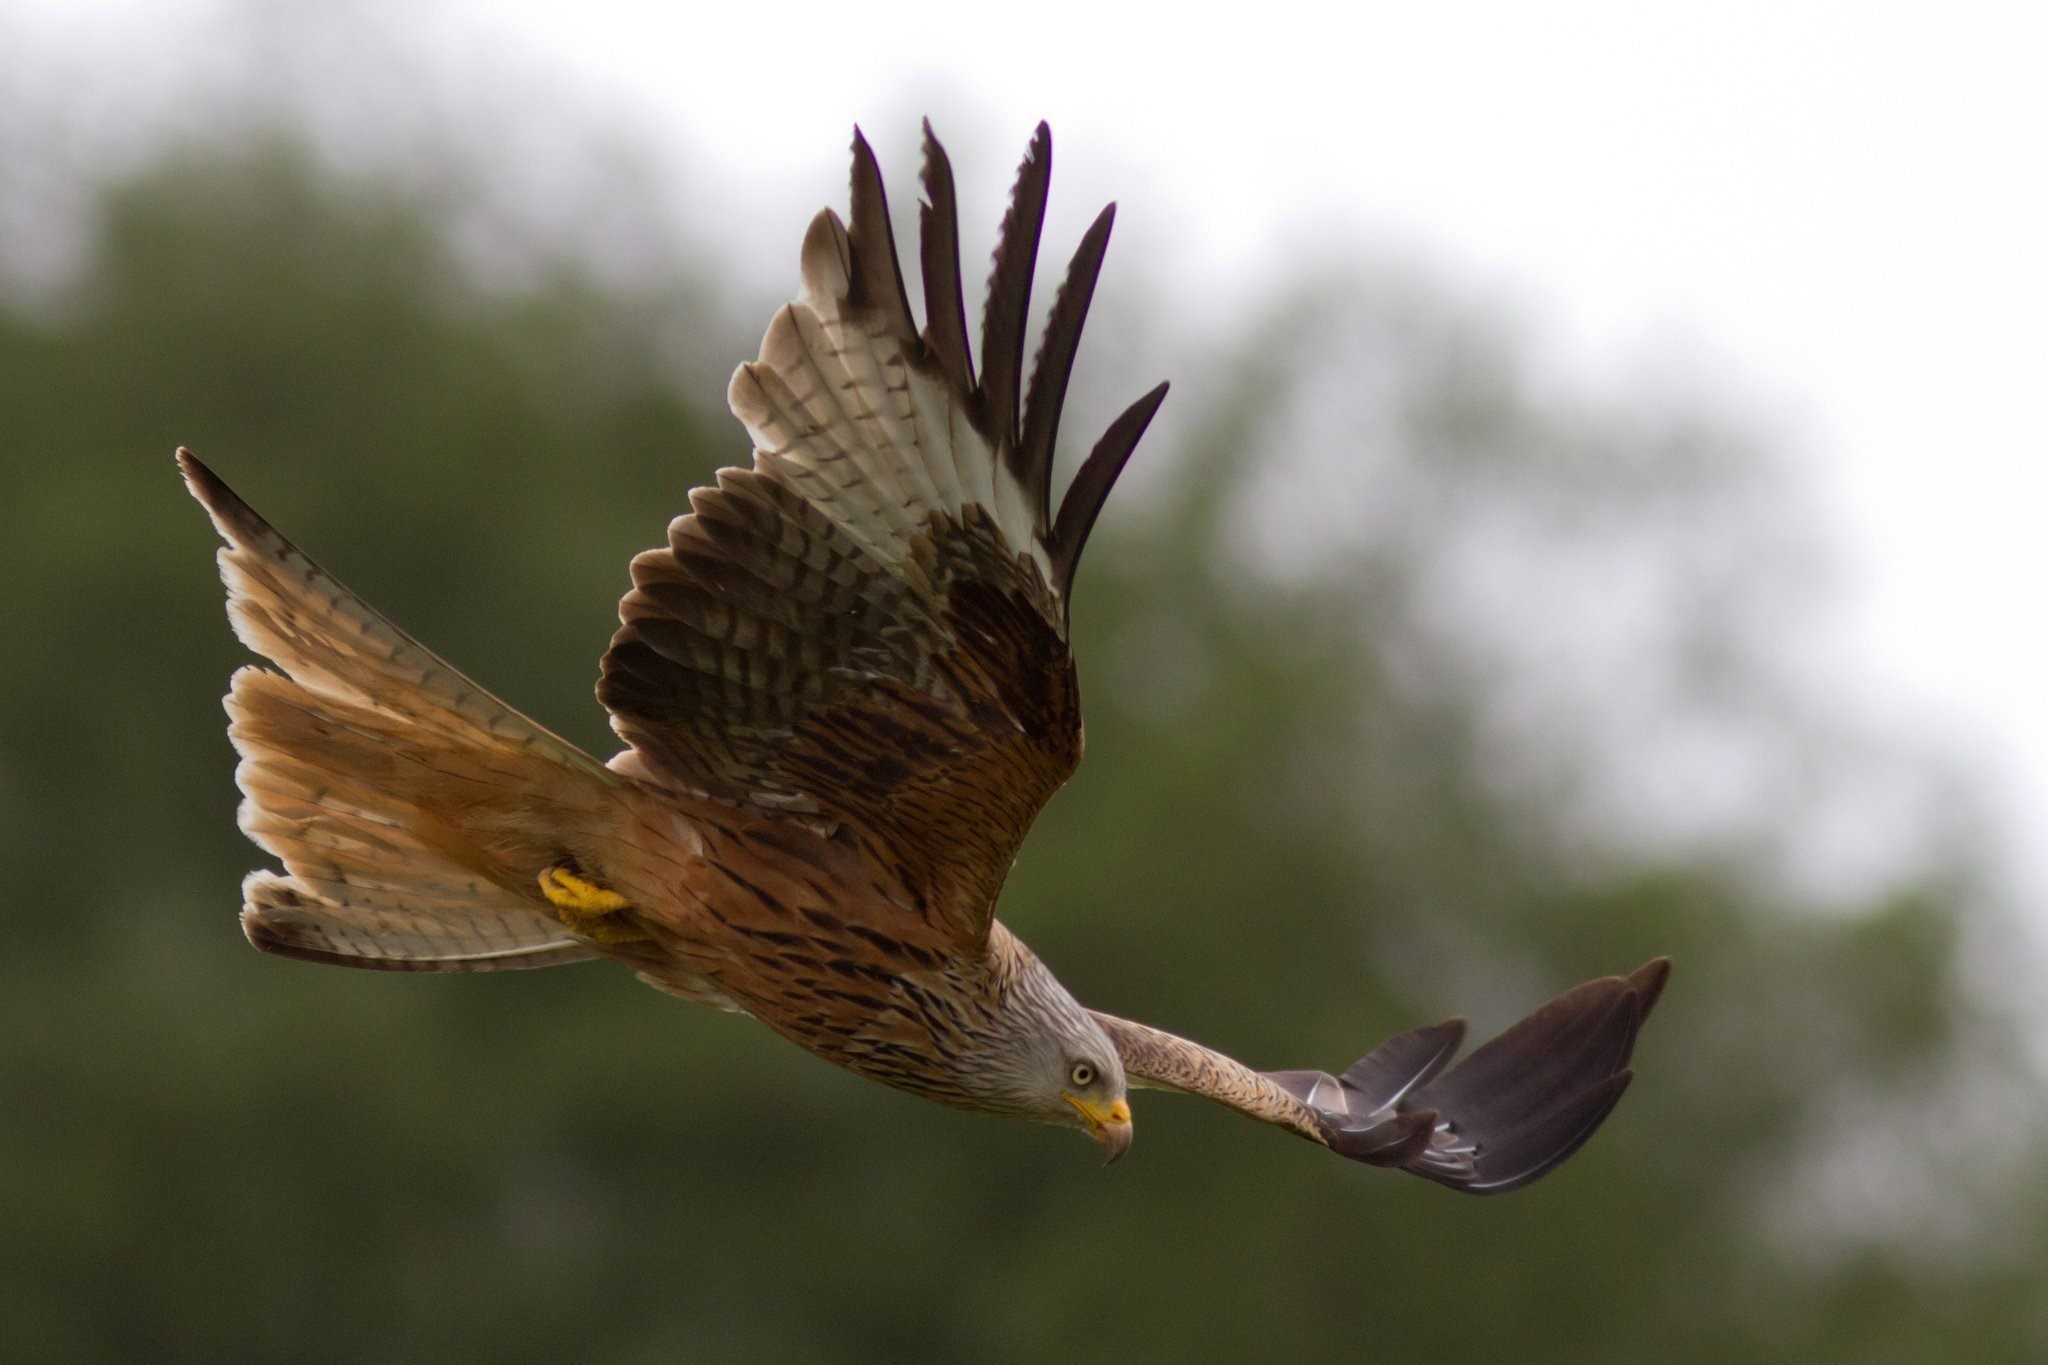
846, 689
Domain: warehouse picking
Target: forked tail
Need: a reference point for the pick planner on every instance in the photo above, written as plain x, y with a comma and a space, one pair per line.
414, 812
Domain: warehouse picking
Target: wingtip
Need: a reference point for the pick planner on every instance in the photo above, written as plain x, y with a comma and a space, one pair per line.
1091, 486
193, 469
1648, 983
935, 158
232, 517
938, 251
1053, 366
1005, 322
1141, 413
875, 273
1526, 1101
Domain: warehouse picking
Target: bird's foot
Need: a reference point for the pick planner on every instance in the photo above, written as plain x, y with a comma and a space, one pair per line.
584, 907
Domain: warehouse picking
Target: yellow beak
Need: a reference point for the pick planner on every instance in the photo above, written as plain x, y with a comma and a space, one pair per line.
1110, 1126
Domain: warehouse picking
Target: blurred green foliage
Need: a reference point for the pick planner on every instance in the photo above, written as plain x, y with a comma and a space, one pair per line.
1288, 841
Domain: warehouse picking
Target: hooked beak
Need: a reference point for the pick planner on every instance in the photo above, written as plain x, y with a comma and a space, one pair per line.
1110, 1126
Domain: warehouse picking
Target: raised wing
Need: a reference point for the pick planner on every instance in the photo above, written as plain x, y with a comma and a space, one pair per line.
1507, 1114
869, 626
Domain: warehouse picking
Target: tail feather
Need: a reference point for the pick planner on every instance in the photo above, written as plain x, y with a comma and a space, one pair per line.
280, 918
412, 810
334, 644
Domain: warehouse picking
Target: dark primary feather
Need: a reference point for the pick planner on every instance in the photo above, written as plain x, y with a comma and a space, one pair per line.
1054, 367
1090, 489
938, 242
1384, 1076
1511, 1111
1006, 316
877, 274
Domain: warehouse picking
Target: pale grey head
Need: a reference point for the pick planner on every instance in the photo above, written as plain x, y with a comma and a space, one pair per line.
1042, 1056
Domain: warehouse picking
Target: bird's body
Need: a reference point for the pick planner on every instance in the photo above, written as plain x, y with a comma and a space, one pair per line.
804, 931
846, 688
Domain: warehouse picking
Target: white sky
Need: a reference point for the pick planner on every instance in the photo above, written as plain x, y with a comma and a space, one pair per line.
1843, 207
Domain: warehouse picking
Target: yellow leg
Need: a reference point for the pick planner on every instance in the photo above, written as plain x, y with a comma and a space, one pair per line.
584, 907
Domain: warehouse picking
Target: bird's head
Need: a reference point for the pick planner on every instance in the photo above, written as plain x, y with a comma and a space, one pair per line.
1091, 1091
1059, 1066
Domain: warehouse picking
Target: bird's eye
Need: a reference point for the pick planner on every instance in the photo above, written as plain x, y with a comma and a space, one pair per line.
1083, 1075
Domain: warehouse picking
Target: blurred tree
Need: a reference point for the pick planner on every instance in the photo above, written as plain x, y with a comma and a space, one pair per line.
1335, 790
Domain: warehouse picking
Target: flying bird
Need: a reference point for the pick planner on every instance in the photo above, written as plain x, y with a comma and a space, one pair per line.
845, 688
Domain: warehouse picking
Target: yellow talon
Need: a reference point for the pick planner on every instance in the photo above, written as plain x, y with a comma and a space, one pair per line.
583, 906
567, 891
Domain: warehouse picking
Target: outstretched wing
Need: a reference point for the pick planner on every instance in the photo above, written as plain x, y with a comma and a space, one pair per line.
1507, 1114
869, 626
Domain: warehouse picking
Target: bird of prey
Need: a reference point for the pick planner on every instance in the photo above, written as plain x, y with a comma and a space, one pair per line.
845, 689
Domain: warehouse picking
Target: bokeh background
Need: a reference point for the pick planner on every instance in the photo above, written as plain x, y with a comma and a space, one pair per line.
1420, 681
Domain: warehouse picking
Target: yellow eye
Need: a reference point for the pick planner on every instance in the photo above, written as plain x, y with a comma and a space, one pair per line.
1083, 1075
